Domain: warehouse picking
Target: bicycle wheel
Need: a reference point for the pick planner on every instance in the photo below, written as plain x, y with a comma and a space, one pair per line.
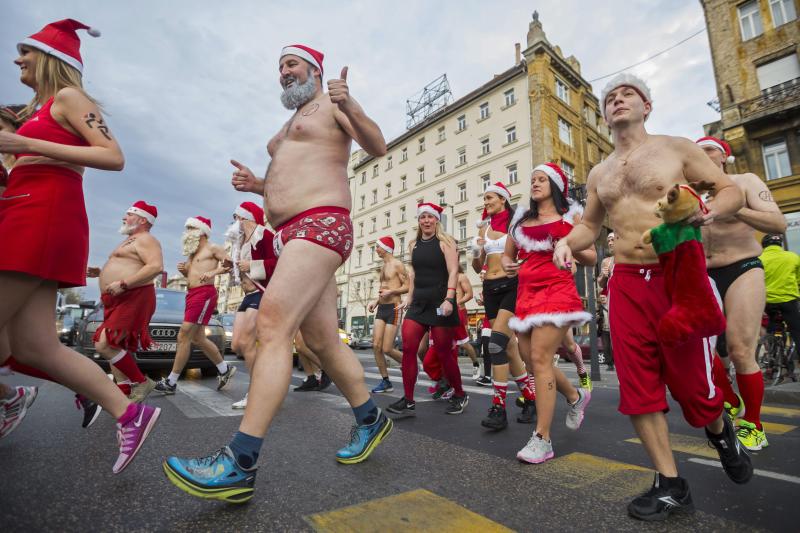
777, 361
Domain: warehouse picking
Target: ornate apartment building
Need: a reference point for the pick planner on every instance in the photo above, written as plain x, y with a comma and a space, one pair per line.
754, 49
540, 109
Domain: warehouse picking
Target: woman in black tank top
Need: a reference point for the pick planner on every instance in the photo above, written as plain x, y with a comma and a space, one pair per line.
431, 303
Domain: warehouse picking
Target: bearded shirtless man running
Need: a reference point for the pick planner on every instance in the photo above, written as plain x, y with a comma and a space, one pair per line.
206, 261
129, 300
393, 284
308, 203
732, 259
627, 186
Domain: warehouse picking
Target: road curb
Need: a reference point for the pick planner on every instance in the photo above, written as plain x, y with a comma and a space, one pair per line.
782, 395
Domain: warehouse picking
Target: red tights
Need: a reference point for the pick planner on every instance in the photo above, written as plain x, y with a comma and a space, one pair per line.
442, 343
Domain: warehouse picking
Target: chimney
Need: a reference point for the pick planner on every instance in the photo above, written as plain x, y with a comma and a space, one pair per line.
517, 54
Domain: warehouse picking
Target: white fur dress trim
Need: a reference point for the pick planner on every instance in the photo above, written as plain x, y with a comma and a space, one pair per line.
533, 245
576, 318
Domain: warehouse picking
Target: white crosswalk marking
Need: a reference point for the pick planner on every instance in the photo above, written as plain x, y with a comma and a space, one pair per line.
757, 472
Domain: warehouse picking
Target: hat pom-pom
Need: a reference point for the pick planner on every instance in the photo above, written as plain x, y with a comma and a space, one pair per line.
730, 159
94, 32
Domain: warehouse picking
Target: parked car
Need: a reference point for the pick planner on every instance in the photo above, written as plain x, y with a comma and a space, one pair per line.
227, 322
362, 343
164, 327
585, 342
66, 327
344, 336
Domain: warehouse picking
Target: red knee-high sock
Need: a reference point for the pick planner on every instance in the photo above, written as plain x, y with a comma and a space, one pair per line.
524, 383
443, 341
751, 387
125, 363
22, 368
720, 378
500, 391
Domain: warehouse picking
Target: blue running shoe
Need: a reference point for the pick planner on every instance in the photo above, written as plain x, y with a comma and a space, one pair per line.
364, 439
216, 477
384, 386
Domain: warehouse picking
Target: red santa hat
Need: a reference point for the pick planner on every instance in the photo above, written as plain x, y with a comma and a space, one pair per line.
500, 190
306, 53
250, 211
557, 174
719, 144
431, 208
60, 39
144, 210
628, 80
387, 243
201, 223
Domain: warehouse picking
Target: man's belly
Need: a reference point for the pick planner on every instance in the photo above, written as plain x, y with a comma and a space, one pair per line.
116, 270
290, 191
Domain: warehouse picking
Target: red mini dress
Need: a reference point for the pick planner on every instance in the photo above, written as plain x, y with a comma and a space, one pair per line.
44, 230
545, 294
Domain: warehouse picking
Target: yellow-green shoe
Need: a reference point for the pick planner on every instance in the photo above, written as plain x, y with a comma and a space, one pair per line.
750, 436
585, 382
734, 412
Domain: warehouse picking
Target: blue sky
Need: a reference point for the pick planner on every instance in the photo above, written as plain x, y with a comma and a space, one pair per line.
189, 85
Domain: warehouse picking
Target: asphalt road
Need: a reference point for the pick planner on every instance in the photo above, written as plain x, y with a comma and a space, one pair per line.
435, 472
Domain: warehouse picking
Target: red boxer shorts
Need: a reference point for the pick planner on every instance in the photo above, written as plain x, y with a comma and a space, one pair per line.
200, 304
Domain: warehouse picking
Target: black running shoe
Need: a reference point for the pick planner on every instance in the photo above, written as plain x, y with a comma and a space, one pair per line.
666, 496
496, 419
325, 381
441, 388
520, 401
484, 381
457, 404
164, 387
733, 456
91, 410
528, 413
402, 407
310, 384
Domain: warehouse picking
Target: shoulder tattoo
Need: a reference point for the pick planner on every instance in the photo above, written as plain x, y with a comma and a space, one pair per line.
766, 196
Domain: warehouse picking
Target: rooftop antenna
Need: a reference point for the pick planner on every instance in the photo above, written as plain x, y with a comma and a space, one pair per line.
433, 97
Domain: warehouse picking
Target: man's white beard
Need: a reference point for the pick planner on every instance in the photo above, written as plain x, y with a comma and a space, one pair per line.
191, 241
126, 229
299, 94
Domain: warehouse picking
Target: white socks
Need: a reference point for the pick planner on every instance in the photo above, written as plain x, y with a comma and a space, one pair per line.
222, 367
172, 379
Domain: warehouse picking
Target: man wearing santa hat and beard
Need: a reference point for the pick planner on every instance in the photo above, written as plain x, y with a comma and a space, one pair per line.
129, 300
732, 259
206, 261
393, 283
308, 203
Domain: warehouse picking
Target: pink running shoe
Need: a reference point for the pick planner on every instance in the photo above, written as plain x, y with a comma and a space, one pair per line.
14, 410
131, 436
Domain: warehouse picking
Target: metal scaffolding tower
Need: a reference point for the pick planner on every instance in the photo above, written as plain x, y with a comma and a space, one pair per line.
433, 97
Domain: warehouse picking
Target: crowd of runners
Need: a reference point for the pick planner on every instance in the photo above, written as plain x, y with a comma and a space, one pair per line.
526, 257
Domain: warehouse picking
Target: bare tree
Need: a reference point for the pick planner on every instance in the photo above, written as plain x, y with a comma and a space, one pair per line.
72, 295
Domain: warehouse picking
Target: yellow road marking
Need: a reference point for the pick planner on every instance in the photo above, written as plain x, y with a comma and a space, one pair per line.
786, 412
416, 510
613, 479
773, 428
686, 444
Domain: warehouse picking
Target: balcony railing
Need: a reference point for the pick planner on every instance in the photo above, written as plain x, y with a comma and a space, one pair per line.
771, 99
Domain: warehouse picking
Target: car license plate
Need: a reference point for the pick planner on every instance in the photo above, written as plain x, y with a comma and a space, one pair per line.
164, 347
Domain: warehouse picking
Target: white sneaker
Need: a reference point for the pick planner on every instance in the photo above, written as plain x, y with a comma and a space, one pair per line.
536, 451
241, 404
476, 372
576, 411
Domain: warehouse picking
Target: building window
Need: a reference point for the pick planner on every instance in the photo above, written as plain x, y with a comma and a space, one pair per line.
564, 131
374, 196
485, 181
402, 213
421, 174
359, 253
462, 192
404, 155
441, 165
774, 73
374, 171
484, 107
441, 133
402, 241
360, 229
511, 134
569, 170
403, 181
373, 226
389, 163
462, 156
509, 96
420, 145
462, 123
782, 11
512, 174
371, 260
462, 229
388, 189
387, 219
440, 197
776, 159
750, 20
485, 149
363, 177
462, 260
363, 199
562, 91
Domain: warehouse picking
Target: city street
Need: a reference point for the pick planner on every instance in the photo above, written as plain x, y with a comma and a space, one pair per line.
435, 472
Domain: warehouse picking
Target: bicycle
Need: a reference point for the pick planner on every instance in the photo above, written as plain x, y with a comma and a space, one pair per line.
775, 353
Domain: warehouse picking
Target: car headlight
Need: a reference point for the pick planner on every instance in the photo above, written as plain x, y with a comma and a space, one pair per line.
64, 330
229, 334
212, 331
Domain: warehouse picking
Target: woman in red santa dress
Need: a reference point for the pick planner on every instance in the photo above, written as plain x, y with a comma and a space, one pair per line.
547, 299
44, 231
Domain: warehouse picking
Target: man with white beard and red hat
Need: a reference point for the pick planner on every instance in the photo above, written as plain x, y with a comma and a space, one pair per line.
255, 262
206, 261
308, 202
129, 301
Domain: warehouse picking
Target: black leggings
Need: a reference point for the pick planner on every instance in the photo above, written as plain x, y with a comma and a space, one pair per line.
487, 357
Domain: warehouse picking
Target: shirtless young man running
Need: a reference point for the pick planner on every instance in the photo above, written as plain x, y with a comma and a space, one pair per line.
308, 201
626, 186
206, 261
394, 283
732, 259
129, 300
